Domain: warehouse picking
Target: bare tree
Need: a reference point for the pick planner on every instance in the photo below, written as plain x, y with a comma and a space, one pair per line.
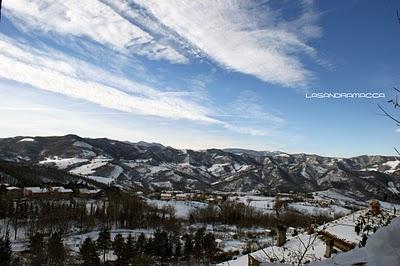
396, 104
295, 256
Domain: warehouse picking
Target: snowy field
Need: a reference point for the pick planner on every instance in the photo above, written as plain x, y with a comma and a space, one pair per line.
266, 205
182, 208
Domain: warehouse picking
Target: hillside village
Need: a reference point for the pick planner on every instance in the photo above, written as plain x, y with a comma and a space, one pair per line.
249, 228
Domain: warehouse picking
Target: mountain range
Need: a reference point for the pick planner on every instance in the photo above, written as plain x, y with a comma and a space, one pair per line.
154, 167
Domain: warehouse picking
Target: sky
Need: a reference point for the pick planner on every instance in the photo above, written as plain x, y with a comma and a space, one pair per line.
203, 74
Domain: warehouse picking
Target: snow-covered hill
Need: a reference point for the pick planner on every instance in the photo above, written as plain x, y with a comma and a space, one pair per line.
152, 166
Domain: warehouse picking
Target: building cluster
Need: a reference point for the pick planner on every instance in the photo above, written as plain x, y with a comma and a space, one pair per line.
190, 196
44, 192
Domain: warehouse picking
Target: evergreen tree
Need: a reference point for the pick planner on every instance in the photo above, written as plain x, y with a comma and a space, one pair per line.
198, 242
162, 245
88, 252
129, 249
210, 247
119, 247
141, 243
5, 250
149, 247
104, 242
188, 244
55, 250
37, 250
176, 242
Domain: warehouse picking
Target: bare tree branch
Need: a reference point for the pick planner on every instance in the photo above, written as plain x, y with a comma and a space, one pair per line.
398, 15
388, 115
306, 247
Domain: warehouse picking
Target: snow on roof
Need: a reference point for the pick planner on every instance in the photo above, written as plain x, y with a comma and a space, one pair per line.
13, 188
46, 190
61, 189
381, 249
88, 191
36, 189
26, 140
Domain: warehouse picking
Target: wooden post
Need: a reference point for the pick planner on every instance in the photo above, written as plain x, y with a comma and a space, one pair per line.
281, 236
252, 261
328, 248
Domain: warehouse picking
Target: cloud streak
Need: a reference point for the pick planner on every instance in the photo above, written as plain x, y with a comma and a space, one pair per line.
91, 19
243, 36
74, 78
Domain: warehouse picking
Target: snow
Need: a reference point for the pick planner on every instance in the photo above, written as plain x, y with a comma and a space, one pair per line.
90, 168
101, 179
27, 140
74, 241
266, 205
63, 163
88, 191
283, 155
392, 187
164, 184
367, 177
342, 228
36, 189
156, 169
46, 190
182, 208
392, 165
116, 172
233, 245
339, 198
82, 144
13, 188
218, 168
88, 154
308, 208
144, 160
382, 248
61, 190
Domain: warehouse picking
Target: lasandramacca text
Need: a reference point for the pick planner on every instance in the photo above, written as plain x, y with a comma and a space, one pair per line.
345, 95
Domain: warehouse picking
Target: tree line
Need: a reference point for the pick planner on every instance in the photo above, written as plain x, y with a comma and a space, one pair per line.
161, 247
242, 215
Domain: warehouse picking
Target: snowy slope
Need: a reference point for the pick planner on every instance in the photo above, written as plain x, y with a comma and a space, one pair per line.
342, 228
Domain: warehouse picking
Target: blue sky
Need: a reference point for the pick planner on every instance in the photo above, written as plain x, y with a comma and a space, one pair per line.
202, 74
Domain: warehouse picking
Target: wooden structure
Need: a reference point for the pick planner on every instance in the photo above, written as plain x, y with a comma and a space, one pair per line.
329, 248
281, 236
332, 241
252, 261
375, 207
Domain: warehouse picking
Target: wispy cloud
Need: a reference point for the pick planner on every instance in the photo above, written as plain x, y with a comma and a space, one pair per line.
247, 114
59, 73
244, 36
91, 19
